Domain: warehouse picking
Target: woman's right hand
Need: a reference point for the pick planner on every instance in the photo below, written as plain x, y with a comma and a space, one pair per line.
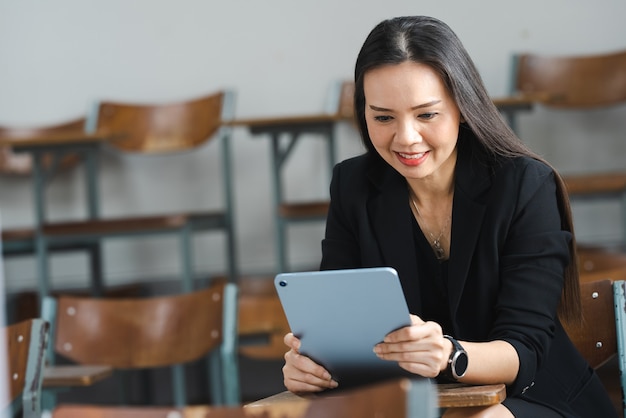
300, 373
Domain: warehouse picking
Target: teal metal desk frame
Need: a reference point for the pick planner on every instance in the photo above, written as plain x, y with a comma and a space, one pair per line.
59, 145
285, 134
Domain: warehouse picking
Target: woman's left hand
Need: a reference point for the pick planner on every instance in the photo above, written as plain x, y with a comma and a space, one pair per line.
419, 348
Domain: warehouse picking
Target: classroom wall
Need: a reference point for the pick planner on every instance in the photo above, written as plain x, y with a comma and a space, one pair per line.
281, 56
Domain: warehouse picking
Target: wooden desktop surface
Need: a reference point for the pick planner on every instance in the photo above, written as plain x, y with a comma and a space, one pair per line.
55, 139
449, 396
74, 375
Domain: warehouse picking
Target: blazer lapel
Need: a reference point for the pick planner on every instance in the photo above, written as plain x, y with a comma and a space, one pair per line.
471, 180
390, 218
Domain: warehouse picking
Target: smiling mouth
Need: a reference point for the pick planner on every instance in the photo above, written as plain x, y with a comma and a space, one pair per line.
412, 156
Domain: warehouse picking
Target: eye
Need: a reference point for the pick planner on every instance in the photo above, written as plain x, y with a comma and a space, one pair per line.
427, 116
382, 118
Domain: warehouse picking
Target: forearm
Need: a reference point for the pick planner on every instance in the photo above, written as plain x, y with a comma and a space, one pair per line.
490, 362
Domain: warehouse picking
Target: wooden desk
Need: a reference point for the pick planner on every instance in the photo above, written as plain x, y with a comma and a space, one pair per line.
59, 144
458, 395
64, 377
512, 105
285, 132
74, 375
452, 395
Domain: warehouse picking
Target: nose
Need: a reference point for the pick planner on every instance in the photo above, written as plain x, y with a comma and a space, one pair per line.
408, 132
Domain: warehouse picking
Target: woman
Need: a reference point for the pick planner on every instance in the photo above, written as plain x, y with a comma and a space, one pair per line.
478, 227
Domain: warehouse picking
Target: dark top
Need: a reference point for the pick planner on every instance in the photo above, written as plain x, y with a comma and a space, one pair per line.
505, 272
433, 286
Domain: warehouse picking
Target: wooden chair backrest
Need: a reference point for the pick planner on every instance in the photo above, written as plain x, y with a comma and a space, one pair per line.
346, 100
26, 342
573, 81
261, 315
595, 338
140, 332
21, 164
161, 128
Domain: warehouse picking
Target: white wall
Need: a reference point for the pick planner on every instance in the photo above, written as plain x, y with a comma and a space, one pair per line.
57, 57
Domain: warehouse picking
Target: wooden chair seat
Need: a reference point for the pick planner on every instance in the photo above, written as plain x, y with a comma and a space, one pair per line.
18, 234
135, 225
304, 210
596, 183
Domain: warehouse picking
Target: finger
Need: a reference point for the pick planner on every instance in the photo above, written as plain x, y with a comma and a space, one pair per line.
425, 363
416, 320
301, 374
302, 387
298, 382
421, 369
306, 365
292, 341
415, 332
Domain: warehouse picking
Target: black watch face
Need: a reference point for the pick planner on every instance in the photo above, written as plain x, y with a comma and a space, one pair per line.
460, 365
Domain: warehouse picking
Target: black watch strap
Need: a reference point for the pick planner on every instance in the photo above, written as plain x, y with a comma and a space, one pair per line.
458, 361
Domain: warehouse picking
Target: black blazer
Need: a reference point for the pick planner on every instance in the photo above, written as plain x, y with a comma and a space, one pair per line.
507, 258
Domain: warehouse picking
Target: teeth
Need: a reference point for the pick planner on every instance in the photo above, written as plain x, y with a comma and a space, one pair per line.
411, 156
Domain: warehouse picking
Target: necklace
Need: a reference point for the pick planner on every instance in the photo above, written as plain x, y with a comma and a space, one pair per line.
440, 253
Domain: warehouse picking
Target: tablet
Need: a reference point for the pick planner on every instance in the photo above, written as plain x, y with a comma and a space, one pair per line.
339, 315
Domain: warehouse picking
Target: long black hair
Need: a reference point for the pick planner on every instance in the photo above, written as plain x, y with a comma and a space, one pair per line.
430, 41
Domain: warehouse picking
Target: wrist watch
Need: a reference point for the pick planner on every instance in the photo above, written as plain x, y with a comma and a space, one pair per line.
457, 363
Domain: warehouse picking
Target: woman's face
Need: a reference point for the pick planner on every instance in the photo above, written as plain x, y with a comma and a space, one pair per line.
412, 120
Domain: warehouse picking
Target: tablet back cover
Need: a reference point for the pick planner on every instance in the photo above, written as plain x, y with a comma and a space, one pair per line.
339, 315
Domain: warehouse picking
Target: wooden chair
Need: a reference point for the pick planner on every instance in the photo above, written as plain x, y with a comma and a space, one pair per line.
599, 338
163, 129
262, 324
143, 333
596, 337
593, 259
26, 342
578, 82
396, 399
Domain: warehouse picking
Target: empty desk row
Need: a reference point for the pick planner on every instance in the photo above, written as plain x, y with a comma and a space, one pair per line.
564, 82
149, 129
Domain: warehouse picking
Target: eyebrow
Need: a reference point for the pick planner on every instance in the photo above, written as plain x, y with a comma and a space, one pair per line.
420, 106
